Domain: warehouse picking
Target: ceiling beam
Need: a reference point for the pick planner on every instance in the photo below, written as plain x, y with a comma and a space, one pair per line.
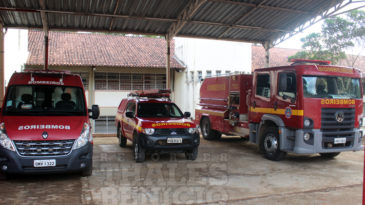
175, 21
244, 4
44, 17
241, 18
190, 9
231, 26
114, 13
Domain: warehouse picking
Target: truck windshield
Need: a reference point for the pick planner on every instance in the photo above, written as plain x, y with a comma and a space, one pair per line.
331, 87
40, 100
158, 110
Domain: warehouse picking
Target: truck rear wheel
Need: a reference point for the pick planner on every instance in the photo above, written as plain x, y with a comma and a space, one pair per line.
121, 138
270, 145
207, 132
329, 155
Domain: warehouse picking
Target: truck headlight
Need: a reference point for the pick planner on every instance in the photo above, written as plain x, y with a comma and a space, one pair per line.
192, 130
84, 138
5, 142
308, 123
306, 136
148, 131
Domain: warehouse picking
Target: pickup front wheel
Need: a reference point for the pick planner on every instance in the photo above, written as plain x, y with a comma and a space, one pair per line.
139, 151
121, 138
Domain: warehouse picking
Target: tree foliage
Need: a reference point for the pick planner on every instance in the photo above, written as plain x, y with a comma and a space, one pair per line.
337, 35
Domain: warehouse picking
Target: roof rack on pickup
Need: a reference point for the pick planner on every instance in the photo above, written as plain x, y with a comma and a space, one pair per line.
306, 61
154, 93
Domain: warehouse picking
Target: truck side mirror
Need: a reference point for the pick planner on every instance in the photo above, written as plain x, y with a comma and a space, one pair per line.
95, 112
129, 114
187, 114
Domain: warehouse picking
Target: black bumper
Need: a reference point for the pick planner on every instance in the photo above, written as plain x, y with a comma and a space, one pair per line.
159, 143
17, 164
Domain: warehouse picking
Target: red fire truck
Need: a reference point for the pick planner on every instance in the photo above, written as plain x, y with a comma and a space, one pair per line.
307, 107
44, 124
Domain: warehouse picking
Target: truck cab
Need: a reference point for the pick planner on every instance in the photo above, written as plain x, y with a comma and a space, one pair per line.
44, 124
155, 124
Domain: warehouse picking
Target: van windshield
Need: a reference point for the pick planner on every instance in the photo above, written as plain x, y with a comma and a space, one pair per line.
158, 110
40, 100
331, 87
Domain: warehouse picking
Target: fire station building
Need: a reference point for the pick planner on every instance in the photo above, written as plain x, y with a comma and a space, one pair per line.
110, 66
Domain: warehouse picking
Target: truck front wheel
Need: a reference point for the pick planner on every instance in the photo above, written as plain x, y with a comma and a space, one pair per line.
207, 132
270, 145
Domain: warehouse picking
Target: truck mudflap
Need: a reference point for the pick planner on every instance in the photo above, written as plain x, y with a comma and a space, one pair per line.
293, 141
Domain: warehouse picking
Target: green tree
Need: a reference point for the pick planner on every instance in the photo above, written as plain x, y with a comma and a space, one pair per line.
337, 35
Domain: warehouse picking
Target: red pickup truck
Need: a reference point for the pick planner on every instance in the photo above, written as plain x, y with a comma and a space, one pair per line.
153, 123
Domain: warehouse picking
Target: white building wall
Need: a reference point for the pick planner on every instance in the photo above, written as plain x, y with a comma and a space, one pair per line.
16, 51
203, 56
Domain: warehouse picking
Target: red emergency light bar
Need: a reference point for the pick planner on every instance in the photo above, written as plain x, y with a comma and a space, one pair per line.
306, 61
154, 93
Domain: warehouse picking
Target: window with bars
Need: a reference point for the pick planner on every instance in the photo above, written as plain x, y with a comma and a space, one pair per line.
105, 125
128, 81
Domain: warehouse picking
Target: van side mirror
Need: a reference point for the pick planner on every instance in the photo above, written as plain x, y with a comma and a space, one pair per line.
129, 114
95, 112
187, 114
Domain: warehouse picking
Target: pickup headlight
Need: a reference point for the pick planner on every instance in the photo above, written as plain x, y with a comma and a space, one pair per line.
148, 131
84, 138
5, 142
192, 130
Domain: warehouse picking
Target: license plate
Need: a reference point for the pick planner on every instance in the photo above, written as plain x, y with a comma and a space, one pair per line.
174, 140
45, 163
340, 140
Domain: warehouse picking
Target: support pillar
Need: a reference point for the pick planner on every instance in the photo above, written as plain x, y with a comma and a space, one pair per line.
267, 46
46, 50
91, 94
168, 86
2, 73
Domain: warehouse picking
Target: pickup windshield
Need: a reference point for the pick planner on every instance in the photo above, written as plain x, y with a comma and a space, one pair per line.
40, 100
158, 110
331, 87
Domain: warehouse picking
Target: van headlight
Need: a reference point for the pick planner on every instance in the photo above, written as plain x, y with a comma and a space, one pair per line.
148, 131
84, 138
192, 130
5, 142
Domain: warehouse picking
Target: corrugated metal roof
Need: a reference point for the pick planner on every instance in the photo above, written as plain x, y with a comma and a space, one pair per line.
240, 20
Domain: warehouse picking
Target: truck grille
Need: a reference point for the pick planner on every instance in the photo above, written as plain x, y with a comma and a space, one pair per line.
178, 131
331, 128
44, 148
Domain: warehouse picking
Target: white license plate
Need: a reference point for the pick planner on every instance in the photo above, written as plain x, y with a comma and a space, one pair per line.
44, 163
340, 140
174, 140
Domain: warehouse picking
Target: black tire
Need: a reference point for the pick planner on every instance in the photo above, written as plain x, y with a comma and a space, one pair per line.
121, 138
88, 171
329, 155
192, 154
207, 132
138, 150
270, 144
